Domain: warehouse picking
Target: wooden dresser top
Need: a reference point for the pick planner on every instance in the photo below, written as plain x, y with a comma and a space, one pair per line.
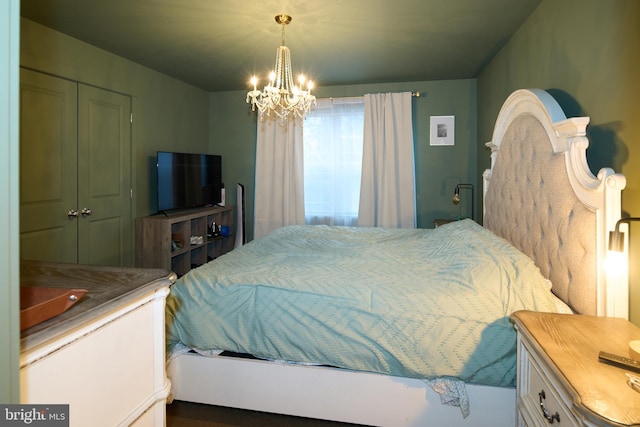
570, 345
108, 287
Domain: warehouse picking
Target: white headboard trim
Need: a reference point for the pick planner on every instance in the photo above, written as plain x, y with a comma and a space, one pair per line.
601, 194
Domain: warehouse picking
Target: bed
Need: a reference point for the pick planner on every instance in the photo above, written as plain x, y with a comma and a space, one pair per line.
365, 339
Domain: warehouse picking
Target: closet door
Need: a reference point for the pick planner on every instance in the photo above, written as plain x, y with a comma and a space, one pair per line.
105, 226
48, 163
75, 172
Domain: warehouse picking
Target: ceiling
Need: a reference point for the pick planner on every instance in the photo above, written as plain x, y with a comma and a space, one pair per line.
218, 44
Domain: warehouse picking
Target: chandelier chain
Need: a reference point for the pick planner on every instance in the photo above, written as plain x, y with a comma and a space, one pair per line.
283, 43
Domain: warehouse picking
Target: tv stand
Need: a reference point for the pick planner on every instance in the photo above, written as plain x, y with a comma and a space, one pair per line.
163, 240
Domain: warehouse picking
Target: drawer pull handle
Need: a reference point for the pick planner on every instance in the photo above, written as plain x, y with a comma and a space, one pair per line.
545, 412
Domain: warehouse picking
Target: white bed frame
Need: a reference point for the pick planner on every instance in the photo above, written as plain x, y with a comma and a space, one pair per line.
382, 400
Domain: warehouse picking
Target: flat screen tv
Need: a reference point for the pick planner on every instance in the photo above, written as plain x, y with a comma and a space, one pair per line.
188, 180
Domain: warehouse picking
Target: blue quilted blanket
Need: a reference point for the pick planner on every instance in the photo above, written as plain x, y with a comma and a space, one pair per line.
413, 303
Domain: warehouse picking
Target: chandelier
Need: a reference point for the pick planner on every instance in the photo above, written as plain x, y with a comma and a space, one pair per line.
281, 96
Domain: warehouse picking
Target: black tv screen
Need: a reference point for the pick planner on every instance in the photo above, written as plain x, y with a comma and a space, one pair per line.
188, 180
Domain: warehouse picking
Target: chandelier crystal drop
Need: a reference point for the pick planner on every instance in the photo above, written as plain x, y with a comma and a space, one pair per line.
281, 97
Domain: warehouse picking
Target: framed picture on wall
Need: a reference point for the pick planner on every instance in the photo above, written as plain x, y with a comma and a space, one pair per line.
442, 130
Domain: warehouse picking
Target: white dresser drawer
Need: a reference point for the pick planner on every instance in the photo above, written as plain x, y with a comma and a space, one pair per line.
540, 403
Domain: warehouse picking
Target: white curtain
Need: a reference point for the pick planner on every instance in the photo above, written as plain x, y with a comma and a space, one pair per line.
279, 198
387, 194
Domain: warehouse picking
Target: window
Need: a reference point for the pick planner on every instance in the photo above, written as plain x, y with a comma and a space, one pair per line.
333, 137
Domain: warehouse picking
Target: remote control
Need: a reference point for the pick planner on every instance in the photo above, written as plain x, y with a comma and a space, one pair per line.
619, 361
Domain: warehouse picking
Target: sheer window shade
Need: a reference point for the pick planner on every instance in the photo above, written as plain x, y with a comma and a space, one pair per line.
333, 140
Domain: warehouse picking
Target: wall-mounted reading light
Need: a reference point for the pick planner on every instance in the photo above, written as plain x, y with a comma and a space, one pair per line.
616, 237
616, 262
456, 196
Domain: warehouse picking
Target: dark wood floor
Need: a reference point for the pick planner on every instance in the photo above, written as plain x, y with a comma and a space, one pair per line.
186, 414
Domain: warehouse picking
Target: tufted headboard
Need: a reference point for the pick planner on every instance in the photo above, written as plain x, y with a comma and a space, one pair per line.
541, 196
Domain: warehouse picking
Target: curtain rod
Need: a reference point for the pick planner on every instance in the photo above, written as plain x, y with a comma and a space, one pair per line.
347, 98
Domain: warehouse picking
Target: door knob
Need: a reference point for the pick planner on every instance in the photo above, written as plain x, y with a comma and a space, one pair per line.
72, 213
86, 211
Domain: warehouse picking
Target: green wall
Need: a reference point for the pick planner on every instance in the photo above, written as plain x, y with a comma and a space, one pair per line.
9, 221
232, 134
168, 113
438, 169
587, 54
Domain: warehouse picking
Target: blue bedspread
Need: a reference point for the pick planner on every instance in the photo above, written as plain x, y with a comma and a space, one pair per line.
414, 303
